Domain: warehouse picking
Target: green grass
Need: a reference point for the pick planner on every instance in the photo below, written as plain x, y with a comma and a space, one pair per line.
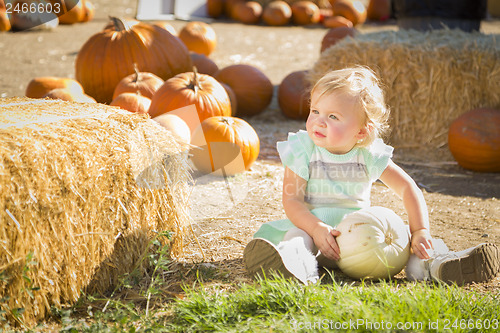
286, 306
278, 305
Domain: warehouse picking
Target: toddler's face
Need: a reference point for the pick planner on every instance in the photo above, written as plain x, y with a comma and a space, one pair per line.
335, 122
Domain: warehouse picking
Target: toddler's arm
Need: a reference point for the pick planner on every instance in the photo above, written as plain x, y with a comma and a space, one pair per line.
293, 202
404, 186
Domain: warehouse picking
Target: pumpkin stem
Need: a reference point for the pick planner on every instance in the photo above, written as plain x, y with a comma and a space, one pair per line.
195, 81
120, 25
136, 70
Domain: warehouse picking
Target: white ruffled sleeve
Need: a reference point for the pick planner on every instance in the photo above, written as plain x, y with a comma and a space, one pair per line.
377, 158
295, 153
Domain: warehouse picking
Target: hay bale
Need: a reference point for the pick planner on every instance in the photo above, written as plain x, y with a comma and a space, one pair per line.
430, 78
83, 188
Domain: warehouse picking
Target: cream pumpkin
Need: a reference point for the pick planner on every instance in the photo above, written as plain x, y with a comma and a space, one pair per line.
374, 243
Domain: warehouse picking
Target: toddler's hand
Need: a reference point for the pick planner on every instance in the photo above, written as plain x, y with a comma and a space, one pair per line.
324, 238
421, 241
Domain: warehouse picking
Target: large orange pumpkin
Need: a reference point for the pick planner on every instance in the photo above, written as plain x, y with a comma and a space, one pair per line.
215, 8
109, 56
143, 82
191, 88
224, 145
199, 37
293, 95
277, 13
40, 86
252, 88
474, 140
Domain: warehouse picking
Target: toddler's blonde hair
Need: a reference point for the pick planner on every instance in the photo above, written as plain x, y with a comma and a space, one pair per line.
361, 83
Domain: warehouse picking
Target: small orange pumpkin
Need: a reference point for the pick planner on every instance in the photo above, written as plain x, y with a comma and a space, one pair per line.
229, 6
224, 145
203, 64
293, 95
143, 82
334, 35
252, 88
232, 98
378, 10
191, 88
215, 8
305, 12
354, 11
133, 102
4, 20
40, 86
68, 95
337, 21
89, 11
199, 37
176, 125
277, 13
247, 12
74, 11
474, 140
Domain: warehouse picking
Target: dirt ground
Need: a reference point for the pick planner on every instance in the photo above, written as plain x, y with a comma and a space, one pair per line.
464, 206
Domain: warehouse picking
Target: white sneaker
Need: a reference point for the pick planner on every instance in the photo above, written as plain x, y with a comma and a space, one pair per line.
290, 258
476, 264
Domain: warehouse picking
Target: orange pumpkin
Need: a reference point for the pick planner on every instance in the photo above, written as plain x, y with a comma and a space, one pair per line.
232, 98
474, 140
167, 26
215, 8
337, 22
40, 86
144, 83
277, 13
88, 10
252, 88
354, 11
325, 13
229, 6
224, 145
109, 56
378, 10
74, 11
176, 125
203, 64
334, 35
68, 95
247, 12
191, 88
133, 102
293, 95
4, 20
199, 37
305, 12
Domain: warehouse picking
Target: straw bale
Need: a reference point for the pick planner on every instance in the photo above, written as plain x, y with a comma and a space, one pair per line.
84, 188
429, 78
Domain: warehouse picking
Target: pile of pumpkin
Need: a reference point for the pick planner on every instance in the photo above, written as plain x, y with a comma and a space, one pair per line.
330, 13
20, 15
180, 88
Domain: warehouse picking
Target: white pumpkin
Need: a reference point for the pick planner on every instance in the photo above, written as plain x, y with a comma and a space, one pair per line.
374, 243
